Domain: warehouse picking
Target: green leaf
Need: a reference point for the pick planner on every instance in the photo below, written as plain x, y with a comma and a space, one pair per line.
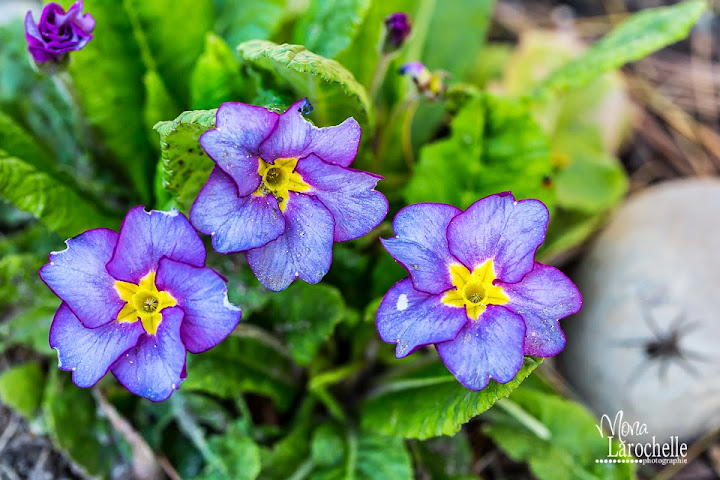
332, 90
640, 35
290, 456
363, 455
573, 443
30, 327
306, 315
108, 76
72, 419
159, 105
251, 363
173, 31
329, 26
184, 165
239, 456
444, 458
460, 26
21, 388
567, 229
495, 146
242, 20
429, 402
592, 182
53, 203
18, 143
216, 77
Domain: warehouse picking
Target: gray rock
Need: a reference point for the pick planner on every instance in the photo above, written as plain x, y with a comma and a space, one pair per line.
647, 339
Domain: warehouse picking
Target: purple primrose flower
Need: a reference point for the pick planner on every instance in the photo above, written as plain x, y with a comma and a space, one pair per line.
282, 192
475, 290
59, 32
397, 29
136, 302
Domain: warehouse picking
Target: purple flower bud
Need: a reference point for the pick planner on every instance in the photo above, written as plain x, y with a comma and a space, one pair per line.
398, 27
430, 84
58, 33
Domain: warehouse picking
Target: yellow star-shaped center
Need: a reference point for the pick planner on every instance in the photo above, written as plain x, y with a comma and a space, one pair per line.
474, 291
279, 179
144, 302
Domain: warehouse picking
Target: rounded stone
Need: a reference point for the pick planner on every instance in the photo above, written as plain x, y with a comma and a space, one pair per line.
646, 340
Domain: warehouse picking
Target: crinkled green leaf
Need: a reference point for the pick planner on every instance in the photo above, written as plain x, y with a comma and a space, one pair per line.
329, 26
184, 165
216, 76
242, 20
173, 31
53, 203
332, 90
249, 363
73, 422
429, 402
643, 33
495, 146
239, 456
572, 445
306, 315
108, 76
340, 454
21, 388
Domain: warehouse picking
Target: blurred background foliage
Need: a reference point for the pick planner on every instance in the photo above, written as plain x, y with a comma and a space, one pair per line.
304, 388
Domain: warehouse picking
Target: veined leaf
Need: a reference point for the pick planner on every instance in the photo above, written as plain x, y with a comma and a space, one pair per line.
329, 26
244, 364
173, 31
238, 456
495, 146
430, 402
340, 454
572, 444
306, 315
53, 203
640, 35
332, 90
242, 20
184, 165
216, 76
108, 77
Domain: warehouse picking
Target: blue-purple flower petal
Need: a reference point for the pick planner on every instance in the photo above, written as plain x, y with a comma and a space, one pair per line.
292, 136
235, 223
145, 237
337, 144
78, 276
350, 196
304, 250
235, 142
154, 368
499, 228
421, 245
411, 318
89, 352
541, 298
488, 348
202, 295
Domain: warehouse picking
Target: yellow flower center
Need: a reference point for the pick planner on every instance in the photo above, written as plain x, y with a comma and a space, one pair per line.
279, 179
474, 291
144, 302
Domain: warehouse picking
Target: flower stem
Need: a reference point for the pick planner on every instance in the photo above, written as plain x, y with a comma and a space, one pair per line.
407, 134
379, 75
